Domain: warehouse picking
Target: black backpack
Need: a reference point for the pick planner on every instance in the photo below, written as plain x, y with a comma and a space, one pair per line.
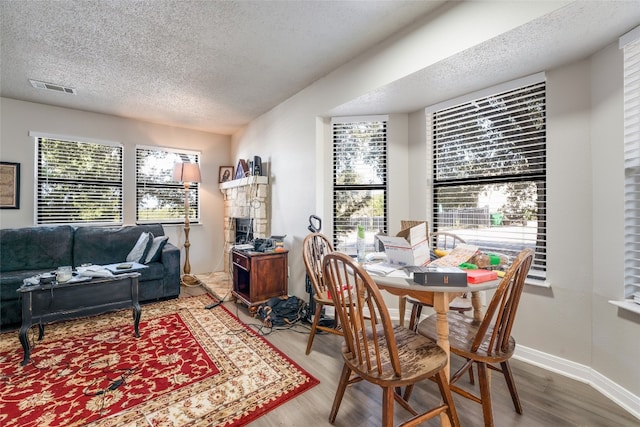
282, 311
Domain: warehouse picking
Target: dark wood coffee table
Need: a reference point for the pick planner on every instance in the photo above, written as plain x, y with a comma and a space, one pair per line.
53, 302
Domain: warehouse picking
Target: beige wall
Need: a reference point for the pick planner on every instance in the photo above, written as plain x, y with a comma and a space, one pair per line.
18, 118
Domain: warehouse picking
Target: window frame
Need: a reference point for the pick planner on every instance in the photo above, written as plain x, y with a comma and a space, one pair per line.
111, 182
178, 187
538, 273
370, 228
630, 44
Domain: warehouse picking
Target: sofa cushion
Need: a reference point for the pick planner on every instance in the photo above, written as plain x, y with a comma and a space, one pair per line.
108, 245
12, 280
35, 248
141, 248
155, 251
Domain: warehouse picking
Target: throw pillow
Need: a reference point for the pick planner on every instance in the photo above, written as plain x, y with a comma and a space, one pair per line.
140, 249
156, 249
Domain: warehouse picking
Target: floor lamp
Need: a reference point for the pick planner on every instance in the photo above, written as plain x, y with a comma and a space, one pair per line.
187, 173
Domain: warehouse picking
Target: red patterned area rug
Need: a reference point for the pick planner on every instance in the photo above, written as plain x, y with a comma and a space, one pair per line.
190, 366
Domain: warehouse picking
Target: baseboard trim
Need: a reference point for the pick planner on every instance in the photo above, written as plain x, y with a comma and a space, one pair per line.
582, 373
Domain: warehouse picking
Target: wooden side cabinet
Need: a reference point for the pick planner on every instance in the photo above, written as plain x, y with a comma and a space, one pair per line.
258, 276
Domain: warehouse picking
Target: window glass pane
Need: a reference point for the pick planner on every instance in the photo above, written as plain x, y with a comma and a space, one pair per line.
158, 197
502, 217
360, 153
353, 207
78, 182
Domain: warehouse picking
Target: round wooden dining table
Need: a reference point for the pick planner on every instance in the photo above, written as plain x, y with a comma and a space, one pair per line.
401, 284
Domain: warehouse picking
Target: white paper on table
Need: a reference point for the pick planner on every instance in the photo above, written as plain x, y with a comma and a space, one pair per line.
94, 271
380, 268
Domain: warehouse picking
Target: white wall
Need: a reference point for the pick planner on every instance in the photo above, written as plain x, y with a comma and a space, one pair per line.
18, 118
568, 327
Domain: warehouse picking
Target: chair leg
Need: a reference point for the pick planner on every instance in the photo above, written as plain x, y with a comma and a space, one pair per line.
387, 406
314, 325
508, 376
445, 391
472, 380
342, 386
485, 394
416, 312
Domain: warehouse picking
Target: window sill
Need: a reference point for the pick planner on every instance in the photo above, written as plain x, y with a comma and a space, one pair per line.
627, 304
539, 283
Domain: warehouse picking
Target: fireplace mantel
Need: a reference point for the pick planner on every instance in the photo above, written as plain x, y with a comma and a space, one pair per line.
245, 198
250, 180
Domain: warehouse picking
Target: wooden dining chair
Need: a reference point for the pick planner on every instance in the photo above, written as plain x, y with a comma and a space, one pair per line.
444, 241
488, 342
314, 248
376, 350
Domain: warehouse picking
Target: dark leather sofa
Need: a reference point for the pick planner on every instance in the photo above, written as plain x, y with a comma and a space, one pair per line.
25, 252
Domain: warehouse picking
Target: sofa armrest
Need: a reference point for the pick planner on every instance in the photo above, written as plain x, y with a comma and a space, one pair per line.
170, 260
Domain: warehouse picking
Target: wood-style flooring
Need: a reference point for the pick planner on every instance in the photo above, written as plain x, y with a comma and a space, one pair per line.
548, 399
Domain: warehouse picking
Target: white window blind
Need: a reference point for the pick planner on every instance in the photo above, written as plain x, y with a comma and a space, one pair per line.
489, 172
359, 180
158, 197
631, 46
78, 182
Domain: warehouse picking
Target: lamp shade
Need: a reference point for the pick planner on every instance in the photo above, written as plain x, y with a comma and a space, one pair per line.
186, 172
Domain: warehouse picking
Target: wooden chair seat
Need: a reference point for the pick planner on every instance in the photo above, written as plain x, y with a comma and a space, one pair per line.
420, 357
462, 330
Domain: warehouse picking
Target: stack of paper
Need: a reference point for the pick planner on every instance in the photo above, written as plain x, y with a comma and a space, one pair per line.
380, 268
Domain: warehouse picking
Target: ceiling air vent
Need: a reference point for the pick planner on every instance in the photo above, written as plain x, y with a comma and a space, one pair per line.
53, 87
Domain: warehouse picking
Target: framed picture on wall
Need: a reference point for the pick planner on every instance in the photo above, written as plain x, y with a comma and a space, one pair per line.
225, 174
9, 185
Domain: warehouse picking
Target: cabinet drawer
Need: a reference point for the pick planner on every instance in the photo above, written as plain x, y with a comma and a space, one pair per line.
241, 260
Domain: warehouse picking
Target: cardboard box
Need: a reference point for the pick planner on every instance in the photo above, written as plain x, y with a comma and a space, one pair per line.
441, 276
409, 247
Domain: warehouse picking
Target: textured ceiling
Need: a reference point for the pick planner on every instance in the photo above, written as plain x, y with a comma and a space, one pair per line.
561, 37
216, 65
210, 65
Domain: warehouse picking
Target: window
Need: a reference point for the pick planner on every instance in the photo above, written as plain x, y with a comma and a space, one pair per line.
489, 172
158, 197
631, 45
79, 182
359, 180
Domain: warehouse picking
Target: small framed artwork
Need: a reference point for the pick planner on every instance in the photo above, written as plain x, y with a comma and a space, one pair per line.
242, 170
225, 174
9, 185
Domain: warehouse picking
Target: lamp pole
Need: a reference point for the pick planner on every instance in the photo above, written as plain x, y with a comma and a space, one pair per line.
187, 227
187, 173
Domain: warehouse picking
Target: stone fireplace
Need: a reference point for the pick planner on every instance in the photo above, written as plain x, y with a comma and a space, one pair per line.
245, 198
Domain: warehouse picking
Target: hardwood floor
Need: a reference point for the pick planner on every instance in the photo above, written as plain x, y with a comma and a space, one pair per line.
548, 399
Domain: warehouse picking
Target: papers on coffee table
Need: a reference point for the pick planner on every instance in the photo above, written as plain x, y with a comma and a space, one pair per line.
125, 267
93, 271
